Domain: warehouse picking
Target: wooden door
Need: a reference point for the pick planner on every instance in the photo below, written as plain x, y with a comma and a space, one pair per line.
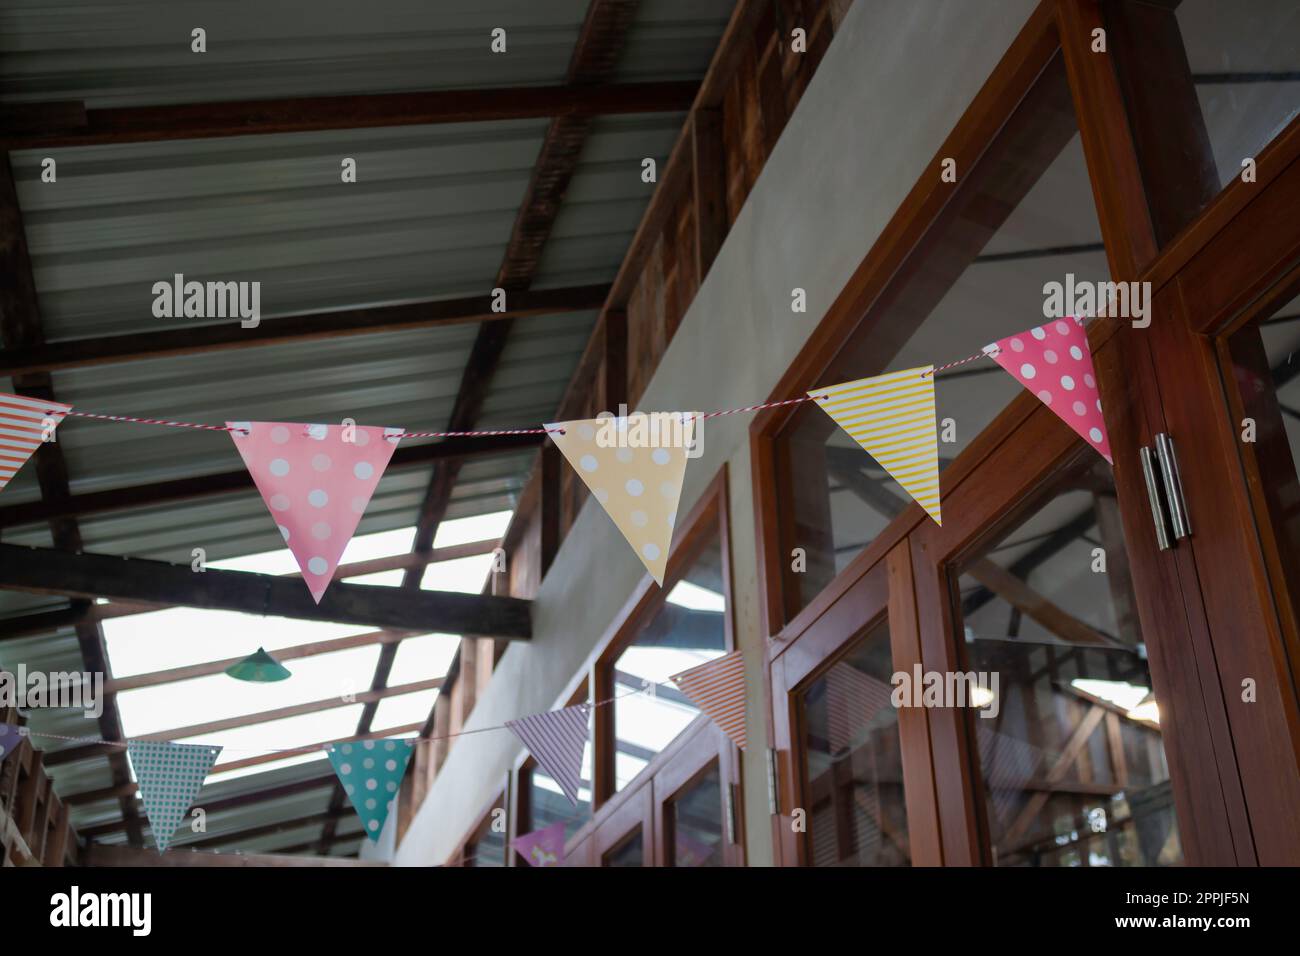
856, 785
1223, 344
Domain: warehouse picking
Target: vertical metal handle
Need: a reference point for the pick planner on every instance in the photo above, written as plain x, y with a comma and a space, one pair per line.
1153, 497
1173, 486
731, 813
773, 787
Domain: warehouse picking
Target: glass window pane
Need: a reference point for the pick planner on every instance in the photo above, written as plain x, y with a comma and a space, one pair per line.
1245, 64
695, 822
1021, 218
857, 815
687, 630
628, 853
1068, 745
488, 848
1265, 368
547, 803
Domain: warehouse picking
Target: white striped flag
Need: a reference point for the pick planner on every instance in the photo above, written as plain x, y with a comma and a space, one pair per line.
892, 417
717, 687
557, 739
22, 429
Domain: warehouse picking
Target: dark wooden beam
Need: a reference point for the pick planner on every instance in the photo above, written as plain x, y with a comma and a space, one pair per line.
709, 185
234, 802
42, 622
280, 330
49, 571
100, 855
21, 327
613, 332
184, 489
86, 751
268, 829
54, 125
551, 505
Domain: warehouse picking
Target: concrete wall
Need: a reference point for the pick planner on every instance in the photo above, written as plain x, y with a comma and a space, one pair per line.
895, 80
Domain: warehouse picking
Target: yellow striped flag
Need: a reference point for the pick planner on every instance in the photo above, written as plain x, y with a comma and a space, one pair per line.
892, 417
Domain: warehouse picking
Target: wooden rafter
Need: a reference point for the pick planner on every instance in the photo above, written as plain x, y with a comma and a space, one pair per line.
202, 486
51, 571
42, 622
233, 802
20, 327
86, 751
70, 123
280, 330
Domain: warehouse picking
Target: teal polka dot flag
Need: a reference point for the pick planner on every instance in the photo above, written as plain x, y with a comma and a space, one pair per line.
370, 772
170, 777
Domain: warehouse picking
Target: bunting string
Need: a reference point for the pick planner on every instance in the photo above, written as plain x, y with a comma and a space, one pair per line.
25, 731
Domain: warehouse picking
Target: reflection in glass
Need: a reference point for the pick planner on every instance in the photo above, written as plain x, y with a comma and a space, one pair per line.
628, 853
1266, 369
1071, 763
1245, 64
695, 822
1023, 217
488, 848
689, 629
547, 803
856, 812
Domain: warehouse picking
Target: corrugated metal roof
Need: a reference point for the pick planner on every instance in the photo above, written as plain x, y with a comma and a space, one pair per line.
133, 53
429, 218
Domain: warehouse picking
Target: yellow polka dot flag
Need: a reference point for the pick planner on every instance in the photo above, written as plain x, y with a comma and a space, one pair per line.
634, 466
892, 417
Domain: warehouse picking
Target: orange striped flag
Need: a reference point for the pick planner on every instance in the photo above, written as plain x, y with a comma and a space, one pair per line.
22, 428
718, 688
892, 417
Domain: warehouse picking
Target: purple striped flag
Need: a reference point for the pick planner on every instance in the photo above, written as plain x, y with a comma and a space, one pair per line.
557, 738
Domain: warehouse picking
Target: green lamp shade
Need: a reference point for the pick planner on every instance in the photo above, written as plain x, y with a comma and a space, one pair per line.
261, 668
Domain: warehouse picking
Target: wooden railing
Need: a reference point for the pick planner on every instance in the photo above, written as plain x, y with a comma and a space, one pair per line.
35, 829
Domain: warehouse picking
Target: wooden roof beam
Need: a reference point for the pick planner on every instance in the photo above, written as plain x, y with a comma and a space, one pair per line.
202, 486
280, 330
47, 571
69, 123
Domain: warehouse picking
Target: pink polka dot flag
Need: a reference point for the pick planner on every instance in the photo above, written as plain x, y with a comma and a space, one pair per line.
317, 481
1054, 363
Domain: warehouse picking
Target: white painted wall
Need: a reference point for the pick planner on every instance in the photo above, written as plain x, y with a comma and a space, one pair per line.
895, 80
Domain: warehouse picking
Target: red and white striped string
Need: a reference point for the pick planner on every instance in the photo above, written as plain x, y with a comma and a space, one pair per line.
310, 748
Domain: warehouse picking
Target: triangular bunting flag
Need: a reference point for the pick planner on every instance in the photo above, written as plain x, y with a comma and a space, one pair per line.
1054, 363
556, 739
544, 847
316, 480
10, 738
634, 467
169, 776
892, 417
718, 688
852, 701
370, 772
23, 424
